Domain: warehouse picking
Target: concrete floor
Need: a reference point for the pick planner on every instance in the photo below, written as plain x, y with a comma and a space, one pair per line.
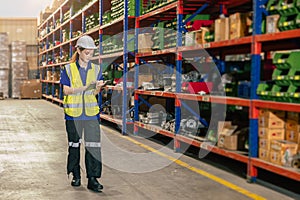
33, 153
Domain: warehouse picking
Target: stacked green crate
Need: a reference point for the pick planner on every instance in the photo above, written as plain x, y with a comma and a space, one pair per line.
170, 38
106, 18
289, 13
286, 75
154, 4
158, 36
92, 21
117, 8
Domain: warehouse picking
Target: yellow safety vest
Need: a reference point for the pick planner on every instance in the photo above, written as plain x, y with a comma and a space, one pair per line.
73, 103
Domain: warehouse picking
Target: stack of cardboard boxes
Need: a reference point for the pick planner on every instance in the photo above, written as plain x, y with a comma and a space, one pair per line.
19, 66
233, 27
4, 65
226, 28
278, 136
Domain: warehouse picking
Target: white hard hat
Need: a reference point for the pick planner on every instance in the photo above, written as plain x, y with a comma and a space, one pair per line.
86, 42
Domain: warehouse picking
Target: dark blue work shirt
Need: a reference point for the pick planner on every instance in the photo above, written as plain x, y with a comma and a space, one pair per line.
65, 80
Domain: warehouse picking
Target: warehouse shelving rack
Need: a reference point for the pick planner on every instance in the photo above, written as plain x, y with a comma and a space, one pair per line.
254, 44
120, 25
55, 43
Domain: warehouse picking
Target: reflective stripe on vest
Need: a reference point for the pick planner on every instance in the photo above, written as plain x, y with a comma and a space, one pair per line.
92, 144
73, 104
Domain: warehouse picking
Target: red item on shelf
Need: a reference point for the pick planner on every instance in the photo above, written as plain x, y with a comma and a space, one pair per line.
197, 24
195, 87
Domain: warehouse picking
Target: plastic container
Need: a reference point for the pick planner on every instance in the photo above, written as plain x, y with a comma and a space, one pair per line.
287, 22
280, 76
273, 6
279, 93
287, 60
244, 89
263, 90
293, 94
287, 7
294, 76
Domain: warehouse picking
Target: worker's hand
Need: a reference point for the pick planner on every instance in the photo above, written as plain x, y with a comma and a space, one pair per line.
100, 84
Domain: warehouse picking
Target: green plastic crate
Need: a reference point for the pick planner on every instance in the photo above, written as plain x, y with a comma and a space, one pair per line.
287, 60
273, 6
287, 7
263, 90
293, 94
280, 76
297, 21
209, 37
294, 76
158, 38
287, 22
278, 93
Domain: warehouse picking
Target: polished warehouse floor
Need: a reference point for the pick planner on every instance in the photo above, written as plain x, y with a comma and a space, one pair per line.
33, 153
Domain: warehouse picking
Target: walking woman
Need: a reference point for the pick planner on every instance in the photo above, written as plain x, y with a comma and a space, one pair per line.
81, 83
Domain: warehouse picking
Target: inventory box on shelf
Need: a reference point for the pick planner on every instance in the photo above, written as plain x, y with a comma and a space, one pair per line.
222, 29
292, 135
268, 122
271, 133
283, 146
144, 43
263, 154
238, 25
264, 143
272, 21
271, 113
229, 138
292, 125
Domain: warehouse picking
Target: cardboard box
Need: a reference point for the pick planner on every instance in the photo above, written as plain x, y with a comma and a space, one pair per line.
283, 146
238, 25
263, 154
291, 125
228, 142
271, 25
271, 133
222, 29
292, 135
31, 89
281, 158
196, 37
144, 78
271, 113
264, 143
271, 122
199, 36
226, 128
275, 157
144, 43
228, 137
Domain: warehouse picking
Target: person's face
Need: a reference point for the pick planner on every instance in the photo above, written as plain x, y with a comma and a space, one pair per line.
85, 55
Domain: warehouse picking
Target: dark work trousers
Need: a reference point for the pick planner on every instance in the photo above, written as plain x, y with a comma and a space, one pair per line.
91, 131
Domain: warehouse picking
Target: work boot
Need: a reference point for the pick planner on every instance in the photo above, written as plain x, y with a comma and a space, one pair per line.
94, 185
76, 182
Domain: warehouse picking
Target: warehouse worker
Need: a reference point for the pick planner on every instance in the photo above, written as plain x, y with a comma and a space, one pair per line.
80, 80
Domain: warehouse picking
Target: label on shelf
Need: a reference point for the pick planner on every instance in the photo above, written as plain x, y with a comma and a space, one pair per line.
206, 98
